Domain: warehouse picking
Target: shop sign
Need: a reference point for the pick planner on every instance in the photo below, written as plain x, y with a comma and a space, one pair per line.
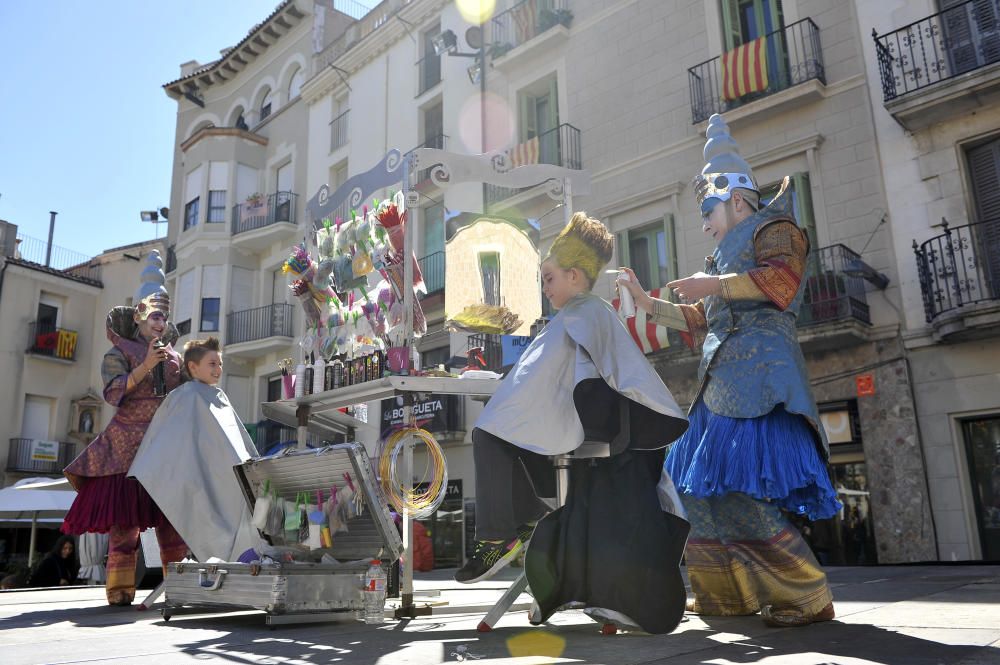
44, 451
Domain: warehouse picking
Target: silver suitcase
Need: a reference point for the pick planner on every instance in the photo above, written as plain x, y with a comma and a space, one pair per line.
296, 592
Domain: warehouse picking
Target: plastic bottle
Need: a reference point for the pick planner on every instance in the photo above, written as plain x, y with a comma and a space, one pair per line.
300, 380
319, 375
375, 582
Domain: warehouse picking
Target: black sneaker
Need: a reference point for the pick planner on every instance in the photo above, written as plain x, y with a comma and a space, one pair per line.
487, 560
524, 532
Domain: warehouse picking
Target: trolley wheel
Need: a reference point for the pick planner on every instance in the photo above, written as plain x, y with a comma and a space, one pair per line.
141, 608
484, 627
609, 629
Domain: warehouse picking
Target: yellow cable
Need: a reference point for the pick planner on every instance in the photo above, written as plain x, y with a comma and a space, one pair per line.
401, 495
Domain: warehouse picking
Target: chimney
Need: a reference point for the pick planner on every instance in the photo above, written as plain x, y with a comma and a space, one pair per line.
8, 238
189, 67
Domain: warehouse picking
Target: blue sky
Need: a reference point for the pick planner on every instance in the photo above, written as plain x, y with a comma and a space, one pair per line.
85, 127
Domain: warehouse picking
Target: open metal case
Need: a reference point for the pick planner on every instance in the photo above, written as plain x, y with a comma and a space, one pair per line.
300, 591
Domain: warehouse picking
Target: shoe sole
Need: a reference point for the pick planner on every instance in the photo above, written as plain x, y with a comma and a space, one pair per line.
500, 564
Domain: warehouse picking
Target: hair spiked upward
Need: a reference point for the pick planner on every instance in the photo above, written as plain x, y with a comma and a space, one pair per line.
197, 349
585, 244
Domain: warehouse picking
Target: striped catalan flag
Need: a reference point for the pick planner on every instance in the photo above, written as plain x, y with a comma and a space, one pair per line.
524, 153
66, 344
649, 336
744, 69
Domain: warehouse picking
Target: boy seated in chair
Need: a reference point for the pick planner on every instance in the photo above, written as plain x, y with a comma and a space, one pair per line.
569, 386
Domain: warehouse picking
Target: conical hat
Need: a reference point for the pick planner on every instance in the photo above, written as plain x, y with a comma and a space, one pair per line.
724, 168
152, 295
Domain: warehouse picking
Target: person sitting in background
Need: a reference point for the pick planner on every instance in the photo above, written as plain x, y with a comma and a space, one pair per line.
59, 567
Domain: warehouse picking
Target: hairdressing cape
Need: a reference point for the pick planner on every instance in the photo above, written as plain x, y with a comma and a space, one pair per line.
186, 462
533, 408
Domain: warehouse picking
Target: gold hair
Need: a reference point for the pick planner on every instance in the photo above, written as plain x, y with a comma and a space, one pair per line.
585, 244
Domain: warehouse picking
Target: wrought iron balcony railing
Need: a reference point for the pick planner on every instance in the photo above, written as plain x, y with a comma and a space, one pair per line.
45, 339
830, 293
559, 146
955, 41
262, 212
792, 56
66, 261
959, 267
491, 348
525, 21
259, 323
432, 268
339, 130
21, 452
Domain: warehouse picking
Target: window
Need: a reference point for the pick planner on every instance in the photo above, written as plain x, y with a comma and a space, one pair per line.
651, 251
265, 106
295, 85
984, 169
210, 315
431, 358
216, 206
191, 213
430, 64
274, 388
539, 110
433, 117
799, 190
433, 222
489, 269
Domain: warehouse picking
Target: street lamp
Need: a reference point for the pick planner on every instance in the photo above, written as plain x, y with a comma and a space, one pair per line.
153, 216
446, 43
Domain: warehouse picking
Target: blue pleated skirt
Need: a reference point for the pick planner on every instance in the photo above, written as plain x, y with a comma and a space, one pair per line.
773, 457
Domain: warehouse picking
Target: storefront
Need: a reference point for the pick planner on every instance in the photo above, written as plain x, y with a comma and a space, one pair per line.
981, 438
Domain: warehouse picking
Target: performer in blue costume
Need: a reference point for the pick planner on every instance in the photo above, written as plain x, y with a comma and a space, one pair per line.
615, 546
755, 446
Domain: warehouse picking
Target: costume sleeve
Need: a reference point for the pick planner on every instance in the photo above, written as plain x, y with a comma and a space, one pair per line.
780, 250
688, 319
114, 373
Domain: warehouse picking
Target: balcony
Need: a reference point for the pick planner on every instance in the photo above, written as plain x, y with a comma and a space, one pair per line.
959, 274
529, 26
339, 127
422, 178
941, 66
47, 340
59, 260
834, 311
258, 223
428, 72
791, 57
492, 351
559, 146
25, 456
253, 333
432, 268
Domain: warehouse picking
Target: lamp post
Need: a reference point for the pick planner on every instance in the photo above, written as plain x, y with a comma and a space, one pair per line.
446, 43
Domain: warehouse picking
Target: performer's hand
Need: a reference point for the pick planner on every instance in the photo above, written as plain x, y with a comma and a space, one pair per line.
154, 355
642, 299
696, 287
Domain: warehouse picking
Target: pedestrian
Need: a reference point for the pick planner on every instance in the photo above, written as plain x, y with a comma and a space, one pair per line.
107, 500
755, 447
59, 567
569, 383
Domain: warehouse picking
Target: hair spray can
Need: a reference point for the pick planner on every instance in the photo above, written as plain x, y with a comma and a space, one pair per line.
627, 306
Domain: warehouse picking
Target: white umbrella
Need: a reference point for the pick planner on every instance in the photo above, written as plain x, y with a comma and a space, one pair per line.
41, 502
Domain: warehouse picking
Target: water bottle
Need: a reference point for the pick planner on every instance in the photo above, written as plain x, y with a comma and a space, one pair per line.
375, 580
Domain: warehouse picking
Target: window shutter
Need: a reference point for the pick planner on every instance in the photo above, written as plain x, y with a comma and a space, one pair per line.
670, 233
731, 33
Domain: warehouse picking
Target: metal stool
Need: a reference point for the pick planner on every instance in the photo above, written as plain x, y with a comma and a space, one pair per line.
595, 446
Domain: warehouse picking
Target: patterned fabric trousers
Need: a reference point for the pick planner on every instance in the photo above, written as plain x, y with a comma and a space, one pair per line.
743, 554
123, 544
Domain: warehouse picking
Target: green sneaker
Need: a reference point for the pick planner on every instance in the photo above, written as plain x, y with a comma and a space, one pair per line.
487, 560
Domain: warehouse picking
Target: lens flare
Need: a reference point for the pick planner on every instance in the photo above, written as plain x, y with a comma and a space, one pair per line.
536, 643
476, 12
499, 123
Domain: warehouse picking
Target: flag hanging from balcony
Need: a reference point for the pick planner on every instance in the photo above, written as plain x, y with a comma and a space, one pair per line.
524, 153
66, 344
524, 15
649, 336
744, 69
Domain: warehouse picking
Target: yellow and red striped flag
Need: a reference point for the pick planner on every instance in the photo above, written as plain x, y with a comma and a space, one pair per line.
524, 153
744, 69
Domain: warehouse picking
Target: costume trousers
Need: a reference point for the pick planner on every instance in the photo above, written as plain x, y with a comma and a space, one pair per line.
744, 554
510, 482
123, 544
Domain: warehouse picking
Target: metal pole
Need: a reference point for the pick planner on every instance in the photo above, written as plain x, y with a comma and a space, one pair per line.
567, 200
52, 230
34, 529
482, 98
407, 584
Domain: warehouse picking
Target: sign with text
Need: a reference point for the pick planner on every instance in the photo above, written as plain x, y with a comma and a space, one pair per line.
44, 451
437, 413
511, 347
865, 384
